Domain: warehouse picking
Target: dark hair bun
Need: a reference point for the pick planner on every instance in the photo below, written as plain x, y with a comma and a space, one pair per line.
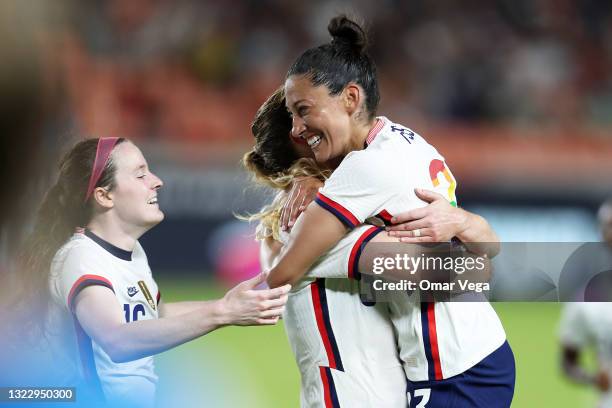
348, 33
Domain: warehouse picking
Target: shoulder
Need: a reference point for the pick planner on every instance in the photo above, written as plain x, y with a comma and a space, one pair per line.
76, 265
76, 249
393, 135
373, 164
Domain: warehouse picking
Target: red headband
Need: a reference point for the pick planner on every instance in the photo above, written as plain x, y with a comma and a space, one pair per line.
103, 152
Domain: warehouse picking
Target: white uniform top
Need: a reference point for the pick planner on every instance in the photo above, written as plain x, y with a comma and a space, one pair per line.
436, 340
345, 349
590, 325
85, 260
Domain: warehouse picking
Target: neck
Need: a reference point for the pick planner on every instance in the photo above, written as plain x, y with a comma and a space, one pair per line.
360, 135
110, 230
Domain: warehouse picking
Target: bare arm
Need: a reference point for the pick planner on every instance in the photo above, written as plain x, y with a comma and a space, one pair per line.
178, 308
439, 221
373, 249
313, 234
101, 316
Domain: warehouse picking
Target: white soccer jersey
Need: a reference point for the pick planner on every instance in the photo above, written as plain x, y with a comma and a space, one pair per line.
87, 260
436, 340
585, 325
345, 349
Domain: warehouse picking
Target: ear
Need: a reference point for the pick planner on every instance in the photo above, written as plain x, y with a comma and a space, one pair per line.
352, 95
103, 197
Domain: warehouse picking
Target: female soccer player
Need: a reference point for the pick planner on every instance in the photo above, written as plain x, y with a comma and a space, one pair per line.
106, 317
357, 338
450, 351
342, 361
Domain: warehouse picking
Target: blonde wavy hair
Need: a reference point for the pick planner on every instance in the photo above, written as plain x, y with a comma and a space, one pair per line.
269, 216
274, 162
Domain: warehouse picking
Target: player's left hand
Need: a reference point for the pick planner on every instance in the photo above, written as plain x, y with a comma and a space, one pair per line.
303, 191
439, 221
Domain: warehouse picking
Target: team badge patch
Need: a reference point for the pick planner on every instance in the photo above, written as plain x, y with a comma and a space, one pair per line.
145, 291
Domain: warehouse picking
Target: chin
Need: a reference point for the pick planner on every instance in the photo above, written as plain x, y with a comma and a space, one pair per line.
160, 217
321, 157
156, 219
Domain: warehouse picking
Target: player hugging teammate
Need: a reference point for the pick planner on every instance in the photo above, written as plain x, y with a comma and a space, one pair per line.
452, 354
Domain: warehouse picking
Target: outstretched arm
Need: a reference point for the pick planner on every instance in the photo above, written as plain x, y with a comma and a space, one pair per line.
101, 316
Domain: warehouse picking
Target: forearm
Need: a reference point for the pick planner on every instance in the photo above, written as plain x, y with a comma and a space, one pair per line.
416, 257
315, 232
179, 308
131, 341
478, 236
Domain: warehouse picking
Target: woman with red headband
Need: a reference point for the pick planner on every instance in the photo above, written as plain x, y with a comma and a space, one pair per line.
104, 315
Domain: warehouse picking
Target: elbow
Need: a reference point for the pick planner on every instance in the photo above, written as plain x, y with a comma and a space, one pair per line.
119, 357
279, 277
274, 281
486, 274
115, 349
115, 353
494, 248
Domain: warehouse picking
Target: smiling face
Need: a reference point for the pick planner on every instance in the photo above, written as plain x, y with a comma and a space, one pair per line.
300, 146
135, 194
319, 118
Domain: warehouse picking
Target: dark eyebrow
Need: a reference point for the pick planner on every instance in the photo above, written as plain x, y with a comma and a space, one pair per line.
298, 101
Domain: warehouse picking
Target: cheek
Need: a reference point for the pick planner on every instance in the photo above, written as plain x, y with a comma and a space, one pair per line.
333, 120
129, 194
297, 141
300, 146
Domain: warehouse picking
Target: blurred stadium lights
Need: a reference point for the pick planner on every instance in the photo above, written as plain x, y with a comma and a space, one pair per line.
516, 95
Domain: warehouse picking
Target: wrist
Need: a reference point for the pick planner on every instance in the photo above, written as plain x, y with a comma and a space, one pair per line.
464, 222
220, 313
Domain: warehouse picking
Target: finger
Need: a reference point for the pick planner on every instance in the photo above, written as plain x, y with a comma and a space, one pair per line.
270, 313
286, 209
289, 205
423, 232
415, 214
407, 226
305, 201
255, 281
428, 195
275, 303
275, 293
297, 198
416, 240
267, 322
407, 234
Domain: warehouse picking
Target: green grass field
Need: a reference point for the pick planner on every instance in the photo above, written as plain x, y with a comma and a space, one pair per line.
253, 366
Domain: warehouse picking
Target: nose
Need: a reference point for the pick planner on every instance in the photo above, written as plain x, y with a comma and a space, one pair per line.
298, 126
157, 182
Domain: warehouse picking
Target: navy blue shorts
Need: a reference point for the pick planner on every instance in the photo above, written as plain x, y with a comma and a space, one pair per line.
489, 384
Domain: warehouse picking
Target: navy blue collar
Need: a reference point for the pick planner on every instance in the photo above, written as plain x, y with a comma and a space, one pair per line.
113, 250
